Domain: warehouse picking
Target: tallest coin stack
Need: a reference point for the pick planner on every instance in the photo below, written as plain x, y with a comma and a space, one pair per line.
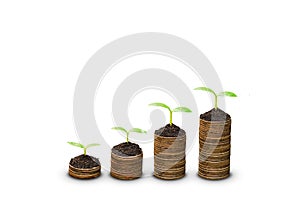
214, 149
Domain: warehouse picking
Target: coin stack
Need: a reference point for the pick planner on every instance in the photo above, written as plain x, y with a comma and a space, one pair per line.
169, 157
214, 149
126, 167
84, 173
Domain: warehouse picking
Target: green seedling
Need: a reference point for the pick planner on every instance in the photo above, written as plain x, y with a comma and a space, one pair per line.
82, 146
225, 93
178, 109
127, 132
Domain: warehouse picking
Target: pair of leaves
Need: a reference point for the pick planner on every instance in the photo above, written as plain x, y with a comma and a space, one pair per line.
76, 144
225, 93
137, 130
178, 109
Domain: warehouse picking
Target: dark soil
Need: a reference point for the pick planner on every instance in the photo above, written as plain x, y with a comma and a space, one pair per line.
170, 131
127, 149
215, 115
84, 161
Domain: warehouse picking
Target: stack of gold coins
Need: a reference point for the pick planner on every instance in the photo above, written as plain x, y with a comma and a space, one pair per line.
84, 173
169, 157
214, 149
126, 167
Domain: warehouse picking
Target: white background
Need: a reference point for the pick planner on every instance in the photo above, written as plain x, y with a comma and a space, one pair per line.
253, 45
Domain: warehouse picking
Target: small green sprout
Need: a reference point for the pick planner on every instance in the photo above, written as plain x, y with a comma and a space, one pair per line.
225, 93
127, 132
82, 146
178, 109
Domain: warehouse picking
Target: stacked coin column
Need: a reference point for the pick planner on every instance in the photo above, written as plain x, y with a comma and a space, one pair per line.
126, 167
169, 157
214, 149
84, 173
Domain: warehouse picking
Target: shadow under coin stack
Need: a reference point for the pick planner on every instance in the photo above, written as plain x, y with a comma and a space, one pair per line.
214, 149
169, 156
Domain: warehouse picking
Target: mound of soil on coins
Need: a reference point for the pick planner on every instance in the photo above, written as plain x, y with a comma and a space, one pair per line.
127, 149
84, 161
215, 115
170, 131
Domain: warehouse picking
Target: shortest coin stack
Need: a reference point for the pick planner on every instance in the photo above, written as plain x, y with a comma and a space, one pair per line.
169, 157
214, 152
82, 173
126, 167
84, 167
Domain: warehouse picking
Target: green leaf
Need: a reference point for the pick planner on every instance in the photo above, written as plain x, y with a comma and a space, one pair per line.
92, 145
76, 144
137, 130
227, 93
120, 129
161, 105
205, 89
182, 109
